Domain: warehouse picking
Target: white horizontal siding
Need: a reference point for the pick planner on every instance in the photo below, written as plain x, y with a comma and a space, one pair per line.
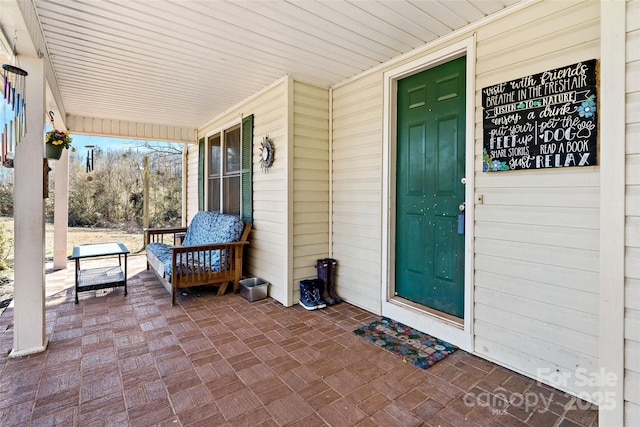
549, 295
537, 232
357, 197
508, 348
631, 413
632, 294
541, 254
632, 386
583, 218
589, 178
562, 277
632, 333
576, 197
560, 237
310, 216
547, 321
544, 36
632, 228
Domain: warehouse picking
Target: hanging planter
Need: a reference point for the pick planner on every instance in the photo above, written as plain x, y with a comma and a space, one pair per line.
53, 151
55, 142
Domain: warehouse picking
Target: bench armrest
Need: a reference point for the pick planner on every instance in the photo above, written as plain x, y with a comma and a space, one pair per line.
157, 234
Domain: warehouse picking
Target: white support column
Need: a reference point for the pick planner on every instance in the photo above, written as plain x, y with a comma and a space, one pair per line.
289, 143
61, 210
185, 187
611, 109
29, 249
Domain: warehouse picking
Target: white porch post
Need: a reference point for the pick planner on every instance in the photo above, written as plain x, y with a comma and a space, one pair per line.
29, 309
61, 211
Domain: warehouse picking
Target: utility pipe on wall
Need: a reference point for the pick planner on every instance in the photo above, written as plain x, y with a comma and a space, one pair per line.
330, 172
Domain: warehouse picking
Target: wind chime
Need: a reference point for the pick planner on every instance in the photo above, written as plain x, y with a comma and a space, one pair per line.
89, 157
14, 123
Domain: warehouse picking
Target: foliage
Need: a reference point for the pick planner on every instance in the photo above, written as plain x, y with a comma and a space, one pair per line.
6, 191
6, 247
111, 196
58, 137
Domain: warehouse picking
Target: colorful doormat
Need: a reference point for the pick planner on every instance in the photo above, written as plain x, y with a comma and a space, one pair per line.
413, 346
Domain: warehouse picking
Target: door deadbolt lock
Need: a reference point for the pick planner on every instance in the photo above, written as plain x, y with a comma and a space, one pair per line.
461, 207
463, 180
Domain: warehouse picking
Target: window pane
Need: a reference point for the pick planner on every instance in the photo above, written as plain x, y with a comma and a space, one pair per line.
214, 155
214, 195
232, 146
231, 195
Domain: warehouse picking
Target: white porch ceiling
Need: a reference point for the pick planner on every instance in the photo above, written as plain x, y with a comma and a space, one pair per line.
183, 62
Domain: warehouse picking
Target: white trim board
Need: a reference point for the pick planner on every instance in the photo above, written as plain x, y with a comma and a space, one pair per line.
612, 208
457, 334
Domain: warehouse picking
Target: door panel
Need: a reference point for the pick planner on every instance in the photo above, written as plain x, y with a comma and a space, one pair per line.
430, 166
415, 245
416, 161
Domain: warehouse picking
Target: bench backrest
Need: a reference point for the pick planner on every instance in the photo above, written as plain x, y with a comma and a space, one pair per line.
213, 227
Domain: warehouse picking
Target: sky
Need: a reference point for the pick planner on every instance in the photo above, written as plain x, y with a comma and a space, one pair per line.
105, 143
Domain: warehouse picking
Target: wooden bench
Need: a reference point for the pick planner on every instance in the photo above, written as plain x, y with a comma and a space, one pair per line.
210, 255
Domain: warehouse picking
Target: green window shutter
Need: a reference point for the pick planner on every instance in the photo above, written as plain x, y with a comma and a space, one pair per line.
246, 189
201, 154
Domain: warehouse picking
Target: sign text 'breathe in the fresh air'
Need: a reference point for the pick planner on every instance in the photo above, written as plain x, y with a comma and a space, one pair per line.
545, 120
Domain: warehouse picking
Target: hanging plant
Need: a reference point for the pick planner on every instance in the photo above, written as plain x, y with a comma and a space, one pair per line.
59, 138
56, 141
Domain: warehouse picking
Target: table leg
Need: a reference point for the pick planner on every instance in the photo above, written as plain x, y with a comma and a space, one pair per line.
77, 272
125, 275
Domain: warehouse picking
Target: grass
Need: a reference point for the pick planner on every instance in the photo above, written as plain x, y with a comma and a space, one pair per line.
84, 235
75, 236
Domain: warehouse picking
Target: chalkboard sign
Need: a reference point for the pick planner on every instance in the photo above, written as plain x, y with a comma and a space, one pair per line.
545, 120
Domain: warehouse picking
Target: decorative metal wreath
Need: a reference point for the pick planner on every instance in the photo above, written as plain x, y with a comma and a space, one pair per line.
267, 152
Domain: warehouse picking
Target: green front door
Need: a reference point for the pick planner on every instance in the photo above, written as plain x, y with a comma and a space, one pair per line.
430, 188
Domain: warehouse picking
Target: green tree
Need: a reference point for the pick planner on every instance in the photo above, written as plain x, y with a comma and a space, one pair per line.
6, 247
111, 195
6, 191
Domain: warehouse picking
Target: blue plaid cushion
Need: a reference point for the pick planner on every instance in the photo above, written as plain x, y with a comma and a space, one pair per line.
213, 227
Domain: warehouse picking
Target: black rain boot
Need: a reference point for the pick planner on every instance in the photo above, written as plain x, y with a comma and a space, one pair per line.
323, 276
331, 279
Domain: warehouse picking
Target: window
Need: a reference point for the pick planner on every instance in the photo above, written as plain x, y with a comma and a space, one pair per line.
229, 172
224, 171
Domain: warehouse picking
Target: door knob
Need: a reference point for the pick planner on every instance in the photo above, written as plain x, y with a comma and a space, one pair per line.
461, 207
463, 180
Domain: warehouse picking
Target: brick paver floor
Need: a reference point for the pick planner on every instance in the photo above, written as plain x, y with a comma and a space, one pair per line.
210, 361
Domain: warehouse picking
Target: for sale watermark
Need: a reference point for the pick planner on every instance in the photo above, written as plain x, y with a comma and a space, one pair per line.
582, 378
542, 398
500, 398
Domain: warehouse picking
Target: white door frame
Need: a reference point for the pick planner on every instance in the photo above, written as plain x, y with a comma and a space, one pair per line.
460, 334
